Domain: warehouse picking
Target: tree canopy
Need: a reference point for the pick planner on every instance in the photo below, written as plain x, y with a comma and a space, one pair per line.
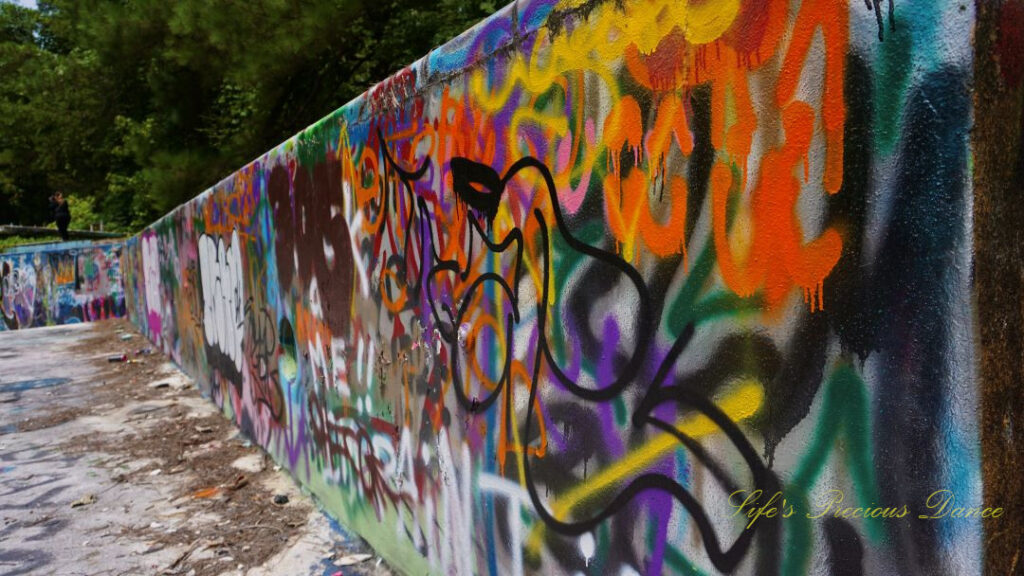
135, 106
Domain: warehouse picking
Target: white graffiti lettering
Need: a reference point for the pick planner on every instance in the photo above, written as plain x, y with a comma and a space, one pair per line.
223, 295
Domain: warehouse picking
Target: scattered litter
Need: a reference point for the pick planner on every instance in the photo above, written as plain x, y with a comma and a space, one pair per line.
84, 501
126, 336
379, 560
240, 481
8, 398
352, 559
206, 493
234, 495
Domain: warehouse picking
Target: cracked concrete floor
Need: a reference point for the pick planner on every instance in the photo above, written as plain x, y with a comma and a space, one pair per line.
123, 468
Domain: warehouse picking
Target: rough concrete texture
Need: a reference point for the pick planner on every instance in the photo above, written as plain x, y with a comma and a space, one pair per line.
123, 468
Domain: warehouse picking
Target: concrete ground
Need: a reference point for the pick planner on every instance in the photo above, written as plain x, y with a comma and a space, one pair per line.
117, 468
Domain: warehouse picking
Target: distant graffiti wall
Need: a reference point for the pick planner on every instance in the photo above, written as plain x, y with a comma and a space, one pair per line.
60, 284
622, 287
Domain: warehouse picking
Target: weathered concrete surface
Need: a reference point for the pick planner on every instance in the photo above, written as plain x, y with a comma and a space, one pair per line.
130, 442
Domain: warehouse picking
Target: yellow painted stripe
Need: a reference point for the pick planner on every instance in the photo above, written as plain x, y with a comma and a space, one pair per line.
742, 403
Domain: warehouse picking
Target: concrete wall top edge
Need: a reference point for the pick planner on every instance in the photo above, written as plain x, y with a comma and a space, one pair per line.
58, 246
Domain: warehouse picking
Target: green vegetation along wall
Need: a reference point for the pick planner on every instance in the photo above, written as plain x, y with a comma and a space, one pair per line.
629, 287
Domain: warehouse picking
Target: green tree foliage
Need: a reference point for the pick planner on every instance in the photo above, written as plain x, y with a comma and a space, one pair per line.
138, 105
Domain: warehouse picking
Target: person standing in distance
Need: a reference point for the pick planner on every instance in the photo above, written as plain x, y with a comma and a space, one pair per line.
61, 214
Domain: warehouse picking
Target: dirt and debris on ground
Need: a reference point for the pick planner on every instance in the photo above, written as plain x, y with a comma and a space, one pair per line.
112, 463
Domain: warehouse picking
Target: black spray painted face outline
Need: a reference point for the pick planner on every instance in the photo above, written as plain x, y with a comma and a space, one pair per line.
481, 188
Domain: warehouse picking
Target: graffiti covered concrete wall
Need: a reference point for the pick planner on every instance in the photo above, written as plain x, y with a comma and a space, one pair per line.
614, 288
62, 283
